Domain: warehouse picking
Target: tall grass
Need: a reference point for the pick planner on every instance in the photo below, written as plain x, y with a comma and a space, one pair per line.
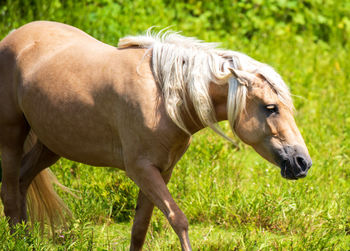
233, 198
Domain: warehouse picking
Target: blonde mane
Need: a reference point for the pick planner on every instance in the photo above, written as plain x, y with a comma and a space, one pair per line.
184, 67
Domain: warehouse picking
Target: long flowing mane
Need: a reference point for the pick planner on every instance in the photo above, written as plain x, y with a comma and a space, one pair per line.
184, 67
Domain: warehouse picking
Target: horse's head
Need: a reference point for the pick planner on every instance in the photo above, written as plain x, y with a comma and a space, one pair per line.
267, 124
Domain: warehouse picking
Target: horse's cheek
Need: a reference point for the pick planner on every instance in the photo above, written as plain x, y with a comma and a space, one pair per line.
248, 131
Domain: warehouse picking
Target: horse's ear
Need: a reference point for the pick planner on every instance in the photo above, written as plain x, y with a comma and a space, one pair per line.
244, 78
234, 73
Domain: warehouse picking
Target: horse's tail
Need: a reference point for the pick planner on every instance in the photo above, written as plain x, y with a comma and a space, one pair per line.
44, 204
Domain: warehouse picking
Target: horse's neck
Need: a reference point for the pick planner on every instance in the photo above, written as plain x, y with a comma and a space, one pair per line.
218, 94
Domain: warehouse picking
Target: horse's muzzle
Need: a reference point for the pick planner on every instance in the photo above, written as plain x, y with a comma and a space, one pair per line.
295, 165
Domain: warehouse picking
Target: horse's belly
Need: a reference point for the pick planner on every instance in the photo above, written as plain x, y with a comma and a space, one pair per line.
79, 140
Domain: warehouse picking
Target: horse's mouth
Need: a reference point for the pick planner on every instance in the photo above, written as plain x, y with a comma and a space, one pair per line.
287, 171
293, 162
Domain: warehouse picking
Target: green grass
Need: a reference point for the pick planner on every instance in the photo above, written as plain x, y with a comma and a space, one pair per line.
234, 200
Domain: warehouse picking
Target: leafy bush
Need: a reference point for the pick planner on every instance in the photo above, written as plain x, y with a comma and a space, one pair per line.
246, 19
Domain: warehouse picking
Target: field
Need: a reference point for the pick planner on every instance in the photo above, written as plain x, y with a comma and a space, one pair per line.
233, 199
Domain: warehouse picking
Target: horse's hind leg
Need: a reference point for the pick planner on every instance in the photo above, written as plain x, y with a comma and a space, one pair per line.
12, 138
36, 160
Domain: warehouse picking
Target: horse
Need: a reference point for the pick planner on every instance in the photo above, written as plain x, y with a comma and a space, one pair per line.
134, 107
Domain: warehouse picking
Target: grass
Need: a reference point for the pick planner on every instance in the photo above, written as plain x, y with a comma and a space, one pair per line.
234, 200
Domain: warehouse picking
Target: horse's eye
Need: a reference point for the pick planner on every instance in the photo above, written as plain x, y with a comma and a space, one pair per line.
271, 108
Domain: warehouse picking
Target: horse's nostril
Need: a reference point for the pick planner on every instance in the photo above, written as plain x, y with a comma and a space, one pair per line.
302, 163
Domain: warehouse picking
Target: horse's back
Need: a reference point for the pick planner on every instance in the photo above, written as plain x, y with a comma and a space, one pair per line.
27, 50
35, 43
45, 32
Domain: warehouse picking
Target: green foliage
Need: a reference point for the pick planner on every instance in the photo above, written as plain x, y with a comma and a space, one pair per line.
233, 198
20, 239
246, 19
114, 195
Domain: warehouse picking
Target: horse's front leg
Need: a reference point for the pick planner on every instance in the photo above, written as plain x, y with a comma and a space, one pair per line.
149, 179
142, 219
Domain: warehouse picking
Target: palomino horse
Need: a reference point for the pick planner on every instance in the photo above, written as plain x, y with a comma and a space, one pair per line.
135, 107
